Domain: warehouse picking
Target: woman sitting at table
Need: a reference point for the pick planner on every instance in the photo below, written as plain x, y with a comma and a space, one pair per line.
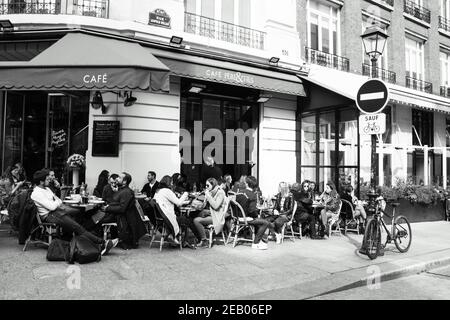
304, 213
330, 200
101, 183
349, 195
215, 215
167, 200
312, 189
283, 209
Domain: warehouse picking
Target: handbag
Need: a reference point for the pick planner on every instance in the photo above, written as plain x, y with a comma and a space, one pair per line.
58, 250
83, 250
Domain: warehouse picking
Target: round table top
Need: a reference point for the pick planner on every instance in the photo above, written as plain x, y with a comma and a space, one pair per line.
140, 196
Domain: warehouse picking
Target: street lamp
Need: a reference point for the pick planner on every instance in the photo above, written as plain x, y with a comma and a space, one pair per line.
374, 41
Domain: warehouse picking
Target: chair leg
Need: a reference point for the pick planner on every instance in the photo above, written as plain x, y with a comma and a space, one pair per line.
223, 238
292, 233
236, 236
161, 242
210, 237
26, 244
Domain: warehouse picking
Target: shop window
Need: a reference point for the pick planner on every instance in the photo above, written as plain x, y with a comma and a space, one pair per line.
445, 9
308, 141
327, 143
422, 129
447, 132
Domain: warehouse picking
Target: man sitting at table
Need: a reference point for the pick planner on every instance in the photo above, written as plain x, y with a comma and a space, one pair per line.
52, 210
150, 188
247, 198
282, 211
123, 211
110, 189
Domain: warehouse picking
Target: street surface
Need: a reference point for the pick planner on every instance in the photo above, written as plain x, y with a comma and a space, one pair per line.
431, 285
294, 270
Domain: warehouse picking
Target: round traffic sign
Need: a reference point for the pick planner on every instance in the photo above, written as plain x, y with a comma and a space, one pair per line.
372, 97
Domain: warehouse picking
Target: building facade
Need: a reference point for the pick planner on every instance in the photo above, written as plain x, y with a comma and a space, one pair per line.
218, 77
415, 67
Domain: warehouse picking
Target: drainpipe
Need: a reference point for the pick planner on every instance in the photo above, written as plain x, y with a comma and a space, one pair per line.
444, 168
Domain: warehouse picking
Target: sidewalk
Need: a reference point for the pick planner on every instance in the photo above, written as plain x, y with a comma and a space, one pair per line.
297, 270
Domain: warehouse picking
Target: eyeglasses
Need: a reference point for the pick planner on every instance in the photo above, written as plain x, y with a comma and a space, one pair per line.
208, 185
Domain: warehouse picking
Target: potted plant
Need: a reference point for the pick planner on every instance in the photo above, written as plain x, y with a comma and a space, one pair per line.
75, 162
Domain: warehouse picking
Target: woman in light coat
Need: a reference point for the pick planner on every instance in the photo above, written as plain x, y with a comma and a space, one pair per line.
217, 200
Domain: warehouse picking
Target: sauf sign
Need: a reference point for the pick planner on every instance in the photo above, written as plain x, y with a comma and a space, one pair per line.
371, 99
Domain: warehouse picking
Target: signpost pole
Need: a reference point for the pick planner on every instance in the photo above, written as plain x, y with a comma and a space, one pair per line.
373, 159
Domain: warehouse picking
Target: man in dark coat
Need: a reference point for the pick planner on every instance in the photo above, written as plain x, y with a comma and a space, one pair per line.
150, 188
123, 211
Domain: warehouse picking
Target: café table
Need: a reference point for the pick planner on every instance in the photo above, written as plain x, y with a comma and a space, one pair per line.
140, 196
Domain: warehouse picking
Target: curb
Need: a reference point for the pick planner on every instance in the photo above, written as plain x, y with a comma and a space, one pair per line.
391, 275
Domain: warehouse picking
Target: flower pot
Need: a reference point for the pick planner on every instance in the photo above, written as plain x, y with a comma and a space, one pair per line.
417, 212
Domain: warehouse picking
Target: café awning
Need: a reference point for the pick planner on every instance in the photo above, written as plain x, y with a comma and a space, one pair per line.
231, 73
80, 61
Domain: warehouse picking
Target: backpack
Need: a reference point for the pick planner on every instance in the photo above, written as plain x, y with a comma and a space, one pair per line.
83, 250
58, 250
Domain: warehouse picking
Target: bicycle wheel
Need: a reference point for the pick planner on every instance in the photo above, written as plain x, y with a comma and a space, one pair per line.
402, 234
372, 237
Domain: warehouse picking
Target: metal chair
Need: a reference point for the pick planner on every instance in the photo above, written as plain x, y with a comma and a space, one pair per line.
240, 223
144, 218
160, 225
447, 209
42, 234
289, 225
335, 221
352, 220
211, 230
107, 229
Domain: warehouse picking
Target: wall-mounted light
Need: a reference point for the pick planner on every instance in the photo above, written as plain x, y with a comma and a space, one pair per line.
97, 100
263, 98
129, 100
6, 25
197, 88
274, 61
176, 41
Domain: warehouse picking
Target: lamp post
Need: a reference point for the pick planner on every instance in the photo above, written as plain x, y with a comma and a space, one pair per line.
374, 40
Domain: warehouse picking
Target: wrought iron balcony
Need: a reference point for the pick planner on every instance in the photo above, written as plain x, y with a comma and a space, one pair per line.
445, 91
327, 59
417, 11
389, 2
221, 30
419, 85
385, 75
94, 8
444, 23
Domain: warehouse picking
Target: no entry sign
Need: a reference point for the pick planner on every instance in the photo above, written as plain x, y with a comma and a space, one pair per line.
372, 97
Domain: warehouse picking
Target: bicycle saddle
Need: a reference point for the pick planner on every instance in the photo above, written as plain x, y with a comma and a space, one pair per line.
395, 204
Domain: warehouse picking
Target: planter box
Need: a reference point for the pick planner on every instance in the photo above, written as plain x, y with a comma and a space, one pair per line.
416, 212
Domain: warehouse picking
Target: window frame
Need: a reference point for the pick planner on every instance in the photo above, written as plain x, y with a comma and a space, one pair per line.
310, 11
418, 48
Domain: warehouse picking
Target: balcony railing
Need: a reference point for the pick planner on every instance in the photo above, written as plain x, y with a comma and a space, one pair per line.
389, 2
444, 23
445, 91
94, 8
327, 59
386, 75
220, 30
419, 85
417, 11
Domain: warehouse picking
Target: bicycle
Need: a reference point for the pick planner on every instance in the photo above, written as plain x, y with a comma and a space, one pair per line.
400, 232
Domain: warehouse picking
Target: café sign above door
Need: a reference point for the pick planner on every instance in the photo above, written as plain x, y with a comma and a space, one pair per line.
159, 18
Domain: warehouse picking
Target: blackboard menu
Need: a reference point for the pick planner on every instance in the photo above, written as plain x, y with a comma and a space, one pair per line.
106, 139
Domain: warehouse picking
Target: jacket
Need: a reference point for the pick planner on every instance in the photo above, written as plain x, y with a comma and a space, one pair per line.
288, 205
24, 211
150, 192
129, 222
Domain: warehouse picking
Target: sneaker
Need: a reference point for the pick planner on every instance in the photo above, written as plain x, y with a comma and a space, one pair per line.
263, 245
203, 244
363, 251
108, 246
258, 246
188, 245
278, 237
